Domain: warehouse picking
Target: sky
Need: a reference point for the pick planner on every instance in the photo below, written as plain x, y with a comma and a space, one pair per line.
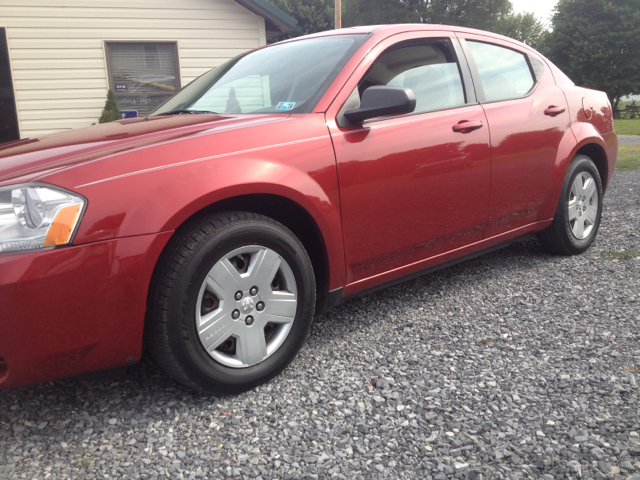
541, 8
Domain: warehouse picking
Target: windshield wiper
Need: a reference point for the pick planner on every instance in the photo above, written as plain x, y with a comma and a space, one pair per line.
185, 111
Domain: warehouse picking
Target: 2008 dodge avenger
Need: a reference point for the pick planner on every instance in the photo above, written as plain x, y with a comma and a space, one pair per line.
279, 184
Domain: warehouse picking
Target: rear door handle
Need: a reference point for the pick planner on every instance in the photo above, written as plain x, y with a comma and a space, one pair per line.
465, 126
552, 111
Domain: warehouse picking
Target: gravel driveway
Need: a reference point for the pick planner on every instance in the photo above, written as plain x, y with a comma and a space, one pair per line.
629, 139
514, 365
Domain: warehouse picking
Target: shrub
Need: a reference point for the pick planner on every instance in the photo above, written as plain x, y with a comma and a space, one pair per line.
110, 113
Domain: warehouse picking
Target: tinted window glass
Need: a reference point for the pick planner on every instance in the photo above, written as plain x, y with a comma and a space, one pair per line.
283, 78
504, 73
429, 69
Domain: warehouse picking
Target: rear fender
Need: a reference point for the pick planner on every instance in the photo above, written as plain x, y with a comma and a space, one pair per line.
587, 134
580, 135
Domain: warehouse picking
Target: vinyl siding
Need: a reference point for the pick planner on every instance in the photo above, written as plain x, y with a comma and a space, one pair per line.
57, 51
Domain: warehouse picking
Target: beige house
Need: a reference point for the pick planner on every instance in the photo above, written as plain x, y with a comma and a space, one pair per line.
59, 57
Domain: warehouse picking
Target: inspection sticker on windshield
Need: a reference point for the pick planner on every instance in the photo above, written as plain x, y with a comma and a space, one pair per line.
286, 106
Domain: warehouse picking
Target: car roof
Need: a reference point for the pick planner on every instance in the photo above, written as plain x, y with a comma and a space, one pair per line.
388, 30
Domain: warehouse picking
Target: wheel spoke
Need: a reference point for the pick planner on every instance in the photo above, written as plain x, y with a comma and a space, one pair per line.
578, 227
282, 307
251, 346
589, 189
577, 187
271, 295
591, 214
217, 332
205, 322
224, 278
265, 268
573, 210
267, 318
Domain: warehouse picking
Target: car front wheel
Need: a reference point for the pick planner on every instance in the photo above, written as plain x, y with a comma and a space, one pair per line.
577, 217
231, 303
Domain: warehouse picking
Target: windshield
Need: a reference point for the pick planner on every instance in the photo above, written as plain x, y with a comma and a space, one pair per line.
286, 78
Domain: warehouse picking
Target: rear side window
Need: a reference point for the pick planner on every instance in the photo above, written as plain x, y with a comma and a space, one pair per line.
429, 68
505, 73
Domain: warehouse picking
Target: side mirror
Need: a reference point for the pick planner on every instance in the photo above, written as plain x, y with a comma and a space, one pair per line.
381, 101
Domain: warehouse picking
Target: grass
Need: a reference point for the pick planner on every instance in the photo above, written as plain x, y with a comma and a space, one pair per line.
623, 255
627, 127
628, 157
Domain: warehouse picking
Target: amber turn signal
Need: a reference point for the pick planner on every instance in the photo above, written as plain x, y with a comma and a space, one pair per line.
62, 226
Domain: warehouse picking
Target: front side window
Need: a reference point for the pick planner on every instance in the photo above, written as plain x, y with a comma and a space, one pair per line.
283, 78
142, 75
505, 74
428, 68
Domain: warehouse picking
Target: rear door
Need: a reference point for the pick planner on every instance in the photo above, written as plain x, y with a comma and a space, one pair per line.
411, 187
528, 117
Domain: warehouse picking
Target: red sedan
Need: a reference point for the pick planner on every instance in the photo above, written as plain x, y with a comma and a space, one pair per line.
280, 184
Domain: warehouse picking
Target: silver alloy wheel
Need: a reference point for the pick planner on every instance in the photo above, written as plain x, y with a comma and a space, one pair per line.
246, 306
583, 205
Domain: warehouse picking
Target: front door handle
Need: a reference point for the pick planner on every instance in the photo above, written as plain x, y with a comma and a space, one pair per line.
552, 111
464, 126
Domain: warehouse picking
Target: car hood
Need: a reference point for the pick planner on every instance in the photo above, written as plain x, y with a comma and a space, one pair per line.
25, 159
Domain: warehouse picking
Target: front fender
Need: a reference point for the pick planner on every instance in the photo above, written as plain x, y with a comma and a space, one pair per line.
156, 190
191, 191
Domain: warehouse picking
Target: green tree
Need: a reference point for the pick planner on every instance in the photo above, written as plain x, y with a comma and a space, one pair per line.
524, 27
312, 16
482, 14
110, 113
597, 44
494, 15
377, 12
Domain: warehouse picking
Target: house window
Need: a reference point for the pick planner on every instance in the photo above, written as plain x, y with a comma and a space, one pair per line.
142, 74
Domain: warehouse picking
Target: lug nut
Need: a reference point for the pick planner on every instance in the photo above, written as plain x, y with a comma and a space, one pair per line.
253, 291
238, 295
260, 306
235, 314
249, 320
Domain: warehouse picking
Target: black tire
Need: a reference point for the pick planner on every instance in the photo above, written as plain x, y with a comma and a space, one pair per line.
172, 334
559, 237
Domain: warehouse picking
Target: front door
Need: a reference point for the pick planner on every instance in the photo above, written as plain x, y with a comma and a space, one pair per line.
8, 113
411, 187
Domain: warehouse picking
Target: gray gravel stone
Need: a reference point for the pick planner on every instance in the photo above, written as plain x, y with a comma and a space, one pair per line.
514, 365
604, 467
629, 139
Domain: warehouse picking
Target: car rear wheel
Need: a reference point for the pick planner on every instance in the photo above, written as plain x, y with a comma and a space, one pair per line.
231, 303
577, 217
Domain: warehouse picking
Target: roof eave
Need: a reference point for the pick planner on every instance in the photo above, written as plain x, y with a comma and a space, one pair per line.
276, 21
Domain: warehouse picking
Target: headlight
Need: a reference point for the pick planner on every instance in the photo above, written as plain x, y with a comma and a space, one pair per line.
37, 217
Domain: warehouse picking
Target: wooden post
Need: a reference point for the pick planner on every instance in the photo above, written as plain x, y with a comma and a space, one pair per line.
338, 14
